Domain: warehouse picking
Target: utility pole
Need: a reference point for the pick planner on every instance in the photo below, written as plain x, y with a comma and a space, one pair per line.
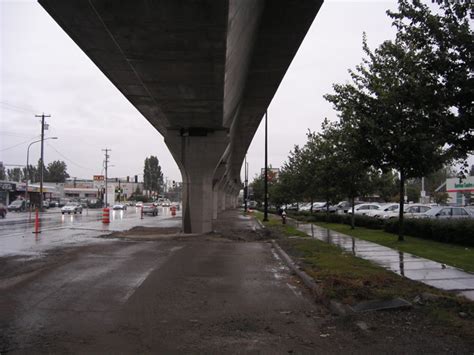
106, 163
43, 116
265, 211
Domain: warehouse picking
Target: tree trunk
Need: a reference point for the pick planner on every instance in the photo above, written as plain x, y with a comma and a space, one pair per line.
353, 214
311, 209
402, 201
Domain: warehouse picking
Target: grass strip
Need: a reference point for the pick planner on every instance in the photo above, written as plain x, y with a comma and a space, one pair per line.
449, 254
350, 279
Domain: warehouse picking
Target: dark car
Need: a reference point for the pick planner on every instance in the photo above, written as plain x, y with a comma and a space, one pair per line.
3, 210
17, 206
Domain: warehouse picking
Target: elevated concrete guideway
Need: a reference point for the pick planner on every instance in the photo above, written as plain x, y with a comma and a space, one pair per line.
202, 72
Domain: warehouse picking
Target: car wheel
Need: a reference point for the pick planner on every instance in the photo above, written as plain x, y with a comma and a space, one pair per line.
62, 212
80, 212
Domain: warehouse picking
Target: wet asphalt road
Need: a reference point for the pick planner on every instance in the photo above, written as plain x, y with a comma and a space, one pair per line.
213, 293
57, 230
190, 294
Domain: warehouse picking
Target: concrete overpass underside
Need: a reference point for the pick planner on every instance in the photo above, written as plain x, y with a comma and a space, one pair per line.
202, 72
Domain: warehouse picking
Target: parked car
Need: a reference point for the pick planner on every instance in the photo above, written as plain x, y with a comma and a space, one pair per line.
3, 210
150, 208
343, 206
324, 207
447, 212
17, 206
305, 206
119, 206
363, 208
386, 211
416, 210
72, 207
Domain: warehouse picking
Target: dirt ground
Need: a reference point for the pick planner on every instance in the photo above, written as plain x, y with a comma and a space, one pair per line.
224, 292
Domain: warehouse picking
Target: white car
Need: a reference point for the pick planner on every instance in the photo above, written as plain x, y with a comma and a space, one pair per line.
364, 208
72, 207
409, 211
388, 210
416, 210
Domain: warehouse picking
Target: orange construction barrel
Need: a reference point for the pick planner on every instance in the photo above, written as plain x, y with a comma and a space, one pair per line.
106, 215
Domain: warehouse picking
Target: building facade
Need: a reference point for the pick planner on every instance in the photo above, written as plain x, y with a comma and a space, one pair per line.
461, 191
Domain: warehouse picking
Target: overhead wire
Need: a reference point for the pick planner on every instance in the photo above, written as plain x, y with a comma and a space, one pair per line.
10, 106
17, 145
69, 160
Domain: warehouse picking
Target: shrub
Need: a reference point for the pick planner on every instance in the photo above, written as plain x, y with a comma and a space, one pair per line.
446, 231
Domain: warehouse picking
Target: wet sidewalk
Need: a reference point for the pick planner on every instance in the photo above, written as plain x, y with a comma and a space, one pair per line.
413, 267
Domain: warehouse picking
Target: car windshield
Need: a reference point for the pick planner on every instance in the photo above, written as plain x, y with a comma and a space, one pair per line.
17, 203
435, 210
148, 205
71, 204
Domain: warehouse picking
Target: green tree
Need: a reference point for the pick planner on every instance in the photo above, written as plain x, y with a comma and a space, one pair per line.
257, 188
152, 175
57, 171
411, 98
30, 173
15, 174
385, 185
294, 181
350, 168
3, 173
37, 171
444, 45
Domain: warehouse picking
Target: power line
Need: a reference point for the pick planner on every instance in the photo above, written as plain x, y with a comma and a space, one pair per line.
69, 160
16, 107
17, 145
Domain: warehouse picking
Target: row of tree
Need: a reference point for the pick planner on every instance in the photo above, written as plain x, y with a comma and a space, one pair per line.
408, 109
56, 171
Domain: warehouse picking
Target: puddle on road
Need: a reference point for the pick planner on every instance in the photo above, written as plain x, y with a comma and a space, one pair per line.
407, 265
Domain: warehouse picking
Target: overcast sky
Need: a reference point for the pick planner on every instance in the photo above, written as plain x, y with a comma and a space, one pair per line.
42, 70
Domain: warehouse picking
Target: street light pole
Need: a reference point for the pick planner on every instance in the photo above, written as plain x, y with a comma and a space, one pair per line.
265, 211
28, 164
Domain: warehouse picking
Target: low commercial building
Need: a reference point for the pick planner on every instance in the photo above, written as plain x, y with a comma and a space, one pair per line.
461, 191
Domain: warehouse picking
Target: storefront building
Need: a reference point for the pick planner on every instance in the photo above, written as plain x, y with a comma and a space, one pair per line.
7, 192
461, 192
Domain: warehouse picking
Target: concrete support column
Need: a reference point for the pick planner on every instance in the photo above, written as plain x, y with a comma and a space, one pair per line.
215, 201
221, 199
197, 158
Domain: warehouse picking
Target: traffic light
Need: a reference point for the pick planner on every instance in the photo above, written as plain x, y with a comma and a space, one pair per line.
136, 179
128, 178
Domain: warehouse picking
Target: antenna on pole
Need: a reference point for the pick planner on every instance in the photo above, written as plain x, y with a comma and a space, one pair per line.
43, 116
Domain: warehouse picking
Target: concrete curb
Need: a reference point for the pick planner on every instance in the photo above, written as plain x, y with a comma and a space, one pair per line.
259, 223
307, 280
335, 307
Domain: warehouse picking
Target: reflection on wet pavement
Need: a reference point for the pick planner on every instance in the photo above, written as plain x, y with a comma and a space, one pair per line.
413, 267
58, 230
